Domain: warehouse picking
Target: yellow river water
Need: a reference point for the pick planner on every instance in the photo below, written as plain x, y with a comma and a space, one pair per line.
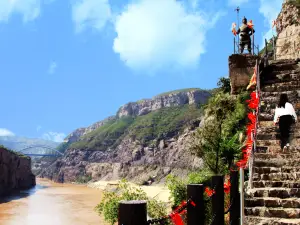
52, 204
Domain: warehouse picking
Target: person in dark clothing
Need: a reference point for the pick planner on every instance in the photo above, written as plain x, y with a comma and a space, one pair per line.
285, 116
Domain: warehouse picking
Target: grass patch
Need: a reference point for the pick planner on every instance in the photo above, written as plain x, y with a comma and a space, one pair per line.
105, 136
163, 123
83, 179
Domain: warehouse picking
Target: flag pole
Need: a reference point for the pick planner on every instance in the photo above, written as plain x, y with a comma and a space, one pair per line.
238, 25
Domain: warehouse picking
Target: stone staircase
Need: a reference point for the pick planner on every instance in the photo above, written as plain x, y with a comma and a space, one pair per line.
275, 197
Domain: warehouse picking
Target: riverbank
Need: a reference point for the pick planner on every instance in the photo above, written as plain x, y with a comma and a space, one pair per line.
51, 203
160, 192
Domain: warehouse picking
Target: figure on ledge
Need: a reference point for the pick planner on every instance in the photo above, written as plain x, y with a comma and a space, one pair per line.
245, 31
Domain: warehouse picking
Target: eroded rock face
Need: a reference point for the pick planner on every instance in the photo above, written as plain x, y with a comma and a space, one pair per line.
288, 30
15, 172
174, 99
130, 160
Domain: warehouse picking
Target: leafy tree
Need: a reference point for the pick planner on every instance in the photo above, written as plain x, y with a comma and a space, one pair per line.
217, 141
224, 84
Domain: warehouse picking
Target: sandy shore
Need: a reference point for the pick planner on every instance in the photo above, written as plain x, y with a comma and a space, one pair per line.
158, 192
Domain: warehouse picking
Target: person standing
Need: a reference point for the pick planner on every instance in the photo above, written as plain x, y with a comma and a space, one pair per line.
285, 116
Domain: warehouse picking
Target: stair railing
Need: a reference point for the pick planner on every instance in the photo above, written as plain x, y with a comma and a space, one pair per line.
254, 132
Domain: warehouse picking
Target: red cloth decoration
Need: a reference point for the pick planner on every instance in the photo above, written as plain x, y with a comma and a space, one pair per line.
176, 219
252, 117
227, 187
209, 192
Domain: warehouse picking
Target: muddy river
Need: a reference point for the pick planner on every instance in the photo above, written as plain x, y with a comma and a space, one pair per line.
52, 204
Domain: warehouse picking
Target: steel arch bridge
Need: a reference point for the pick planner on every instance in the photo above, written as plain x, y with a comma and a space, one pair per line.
40, 151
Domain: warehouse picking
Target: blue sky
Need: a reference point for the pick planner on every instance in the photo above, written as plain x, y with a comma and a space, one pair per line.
66, 64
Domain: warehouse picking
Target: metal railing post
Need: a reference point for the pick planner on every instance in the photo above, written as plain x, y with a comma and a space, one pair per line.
274, 48
242, 206
252, 42
234, 45
266, 47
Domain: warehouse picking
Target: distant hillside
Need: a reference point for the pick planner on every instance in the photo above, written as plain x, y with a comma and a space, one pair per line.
18, 143
146, 137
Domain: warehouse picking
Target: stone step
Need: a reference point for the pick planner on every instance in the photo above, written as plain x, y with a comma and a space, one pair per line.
281, 155
277, 176
281, 184
280, 77
273, 212
277, 149
270, 124
284, 169
276, 135
274, 192
295, 141
251, 220
273, 101
282, 87
273, 202
265, 116
276, 162
277, 94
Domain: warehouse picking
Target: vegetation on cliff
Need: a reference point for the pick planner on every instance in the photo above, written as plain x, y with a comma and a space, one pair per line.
165, 122
218, 141
15, 152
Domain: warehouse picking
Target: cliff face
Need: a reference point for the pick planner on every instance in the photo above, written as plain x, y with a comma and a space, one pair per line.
288, 30
15, 172
146, 138
145, 106
131, 160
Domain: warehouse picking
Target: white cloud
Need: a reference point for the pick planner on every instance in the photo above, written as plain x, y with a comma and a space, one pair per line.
152, 34
54, 136
52, 68
270, 10
38, 128
237, 2
90, 14
5, 132
28, 9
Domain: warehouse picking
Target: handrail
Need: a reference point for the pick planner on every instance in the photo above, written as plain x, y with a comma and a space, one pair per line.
254, 132
236, 48
274, 45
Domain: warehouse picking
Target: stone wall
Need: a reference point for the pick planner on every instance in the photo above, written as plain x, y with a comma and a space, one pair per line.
15, 172
241, 68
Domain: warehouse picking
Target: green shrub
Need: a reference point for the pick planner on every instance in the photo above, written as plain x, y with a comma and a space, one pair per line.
83, 179
108, 207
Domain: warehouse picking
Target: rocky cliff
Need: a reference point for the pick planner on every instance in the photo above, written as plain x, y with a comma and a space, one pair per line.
145, 106
15, 172
149, 138
176, 98
288, 30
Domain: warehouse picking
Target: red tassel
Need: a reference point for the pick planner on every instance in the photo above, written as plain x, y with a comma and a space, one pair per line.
209, 192
193, 203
